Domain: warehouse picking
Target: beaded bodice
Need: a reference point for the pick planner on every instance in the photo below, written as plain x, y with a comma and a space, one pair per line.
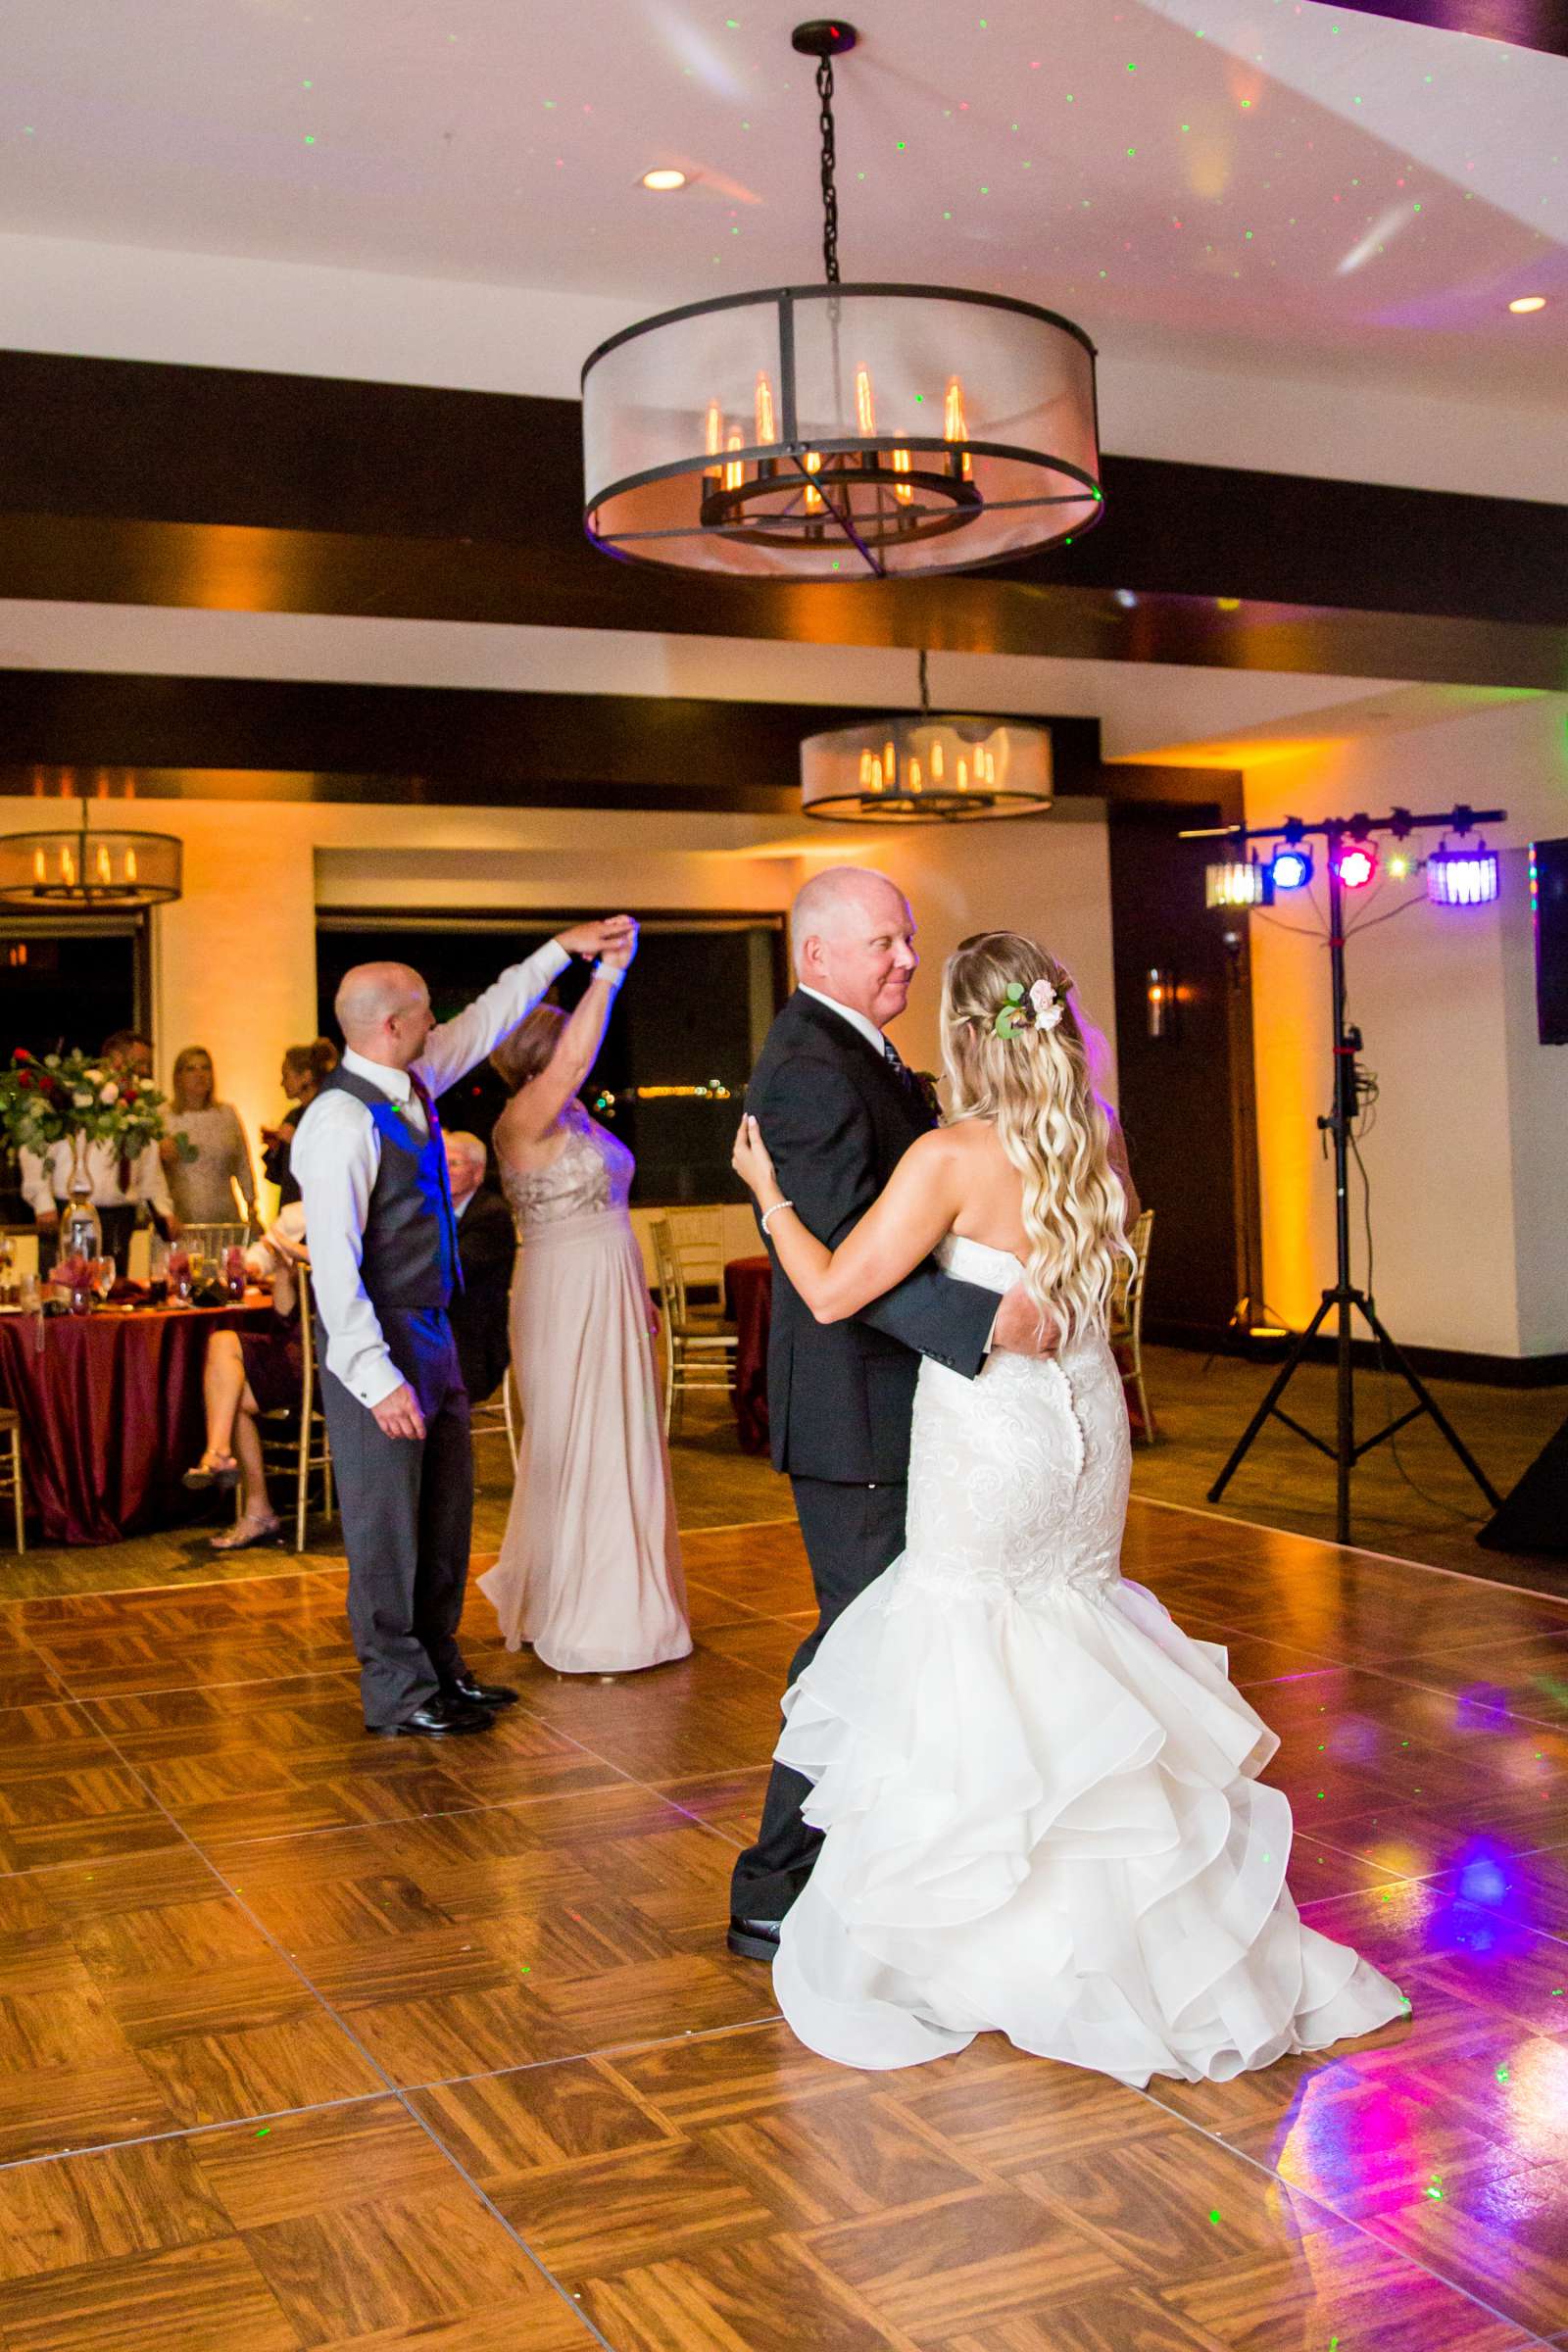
592, 1172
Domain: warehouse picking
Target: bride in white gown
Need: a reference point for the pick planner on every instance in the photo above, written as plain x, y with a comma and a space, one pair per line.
1040, 1798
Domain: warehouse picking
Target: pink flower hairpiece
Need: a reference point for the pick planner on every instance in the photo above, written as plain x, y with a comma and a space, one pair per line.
1038, 1008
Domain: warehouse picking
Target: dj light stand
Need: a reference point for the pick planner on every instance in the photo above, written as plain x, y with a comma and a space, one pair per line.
1344, 1299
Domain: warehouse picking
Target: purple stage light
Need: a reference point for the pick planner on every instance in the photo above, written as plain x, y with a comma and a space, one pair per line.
1462, 877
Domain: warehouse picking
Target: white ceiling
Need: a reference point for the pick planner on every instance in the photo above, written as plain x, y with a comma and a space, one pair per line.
1234, 173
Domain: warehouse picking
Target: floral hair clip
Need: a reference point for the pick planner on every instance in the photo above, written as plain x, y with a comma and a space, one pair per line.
1038, 1008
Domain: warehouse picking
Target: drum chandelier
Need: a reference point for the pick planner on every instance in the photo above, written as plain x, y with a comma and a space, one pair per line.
93, 869
840, 431
940, 766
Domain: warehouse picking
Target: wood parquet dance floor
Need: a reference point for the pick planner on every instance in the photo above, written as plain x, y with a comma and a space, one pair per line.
309, 2041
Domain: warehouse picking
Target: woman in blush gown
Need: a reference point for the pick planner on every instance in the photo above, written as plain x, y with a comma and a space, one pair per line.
590, 1571
1040, 1798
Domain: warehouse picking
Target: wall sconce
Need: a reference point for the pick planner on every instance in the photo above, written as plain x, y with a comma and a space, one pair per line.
1159, 991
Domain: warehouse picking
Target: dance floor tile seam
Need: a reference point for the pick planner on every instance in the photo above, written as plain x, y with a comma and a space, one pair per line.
639, 2128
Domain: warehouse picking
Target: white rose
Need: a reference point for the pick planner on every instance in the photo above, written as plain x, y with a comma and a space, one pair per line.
93, 1077
81, 1098
51, 1062
109, 1093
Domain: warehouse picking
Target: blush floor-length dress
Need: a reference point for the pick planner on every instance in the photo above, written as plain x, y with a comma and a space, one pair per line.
1040, 1798
590, 1568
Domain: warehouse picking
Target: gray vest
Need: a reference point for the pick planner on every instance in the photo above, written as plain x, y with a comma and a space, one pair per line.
410, 1254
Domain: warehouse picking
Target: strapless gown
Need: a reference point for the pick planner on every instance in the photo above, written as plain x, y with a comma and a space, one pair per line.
1039, 1795
590, 1568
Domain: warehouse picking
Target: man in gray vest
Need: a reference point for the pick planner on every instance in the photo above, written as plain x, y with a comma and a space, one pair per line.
372, 1174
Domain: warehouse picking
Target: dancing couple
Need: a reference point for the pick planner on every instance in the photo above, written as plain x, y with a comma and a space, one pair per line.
383, 1230
1011, 1795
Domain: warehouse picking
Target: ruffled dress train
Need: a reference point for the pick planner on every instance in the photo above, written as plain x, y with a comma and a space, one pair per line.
1040, 1796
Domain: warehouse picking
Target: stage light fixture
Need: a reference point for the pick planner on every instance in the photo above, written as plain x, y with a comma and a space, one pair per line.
1357, 865
1462, 877
1290, 868
1238, 882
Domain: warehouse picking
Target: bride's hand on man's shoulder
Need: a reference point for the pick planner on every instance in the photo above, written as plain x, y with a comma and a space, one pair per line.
750, 1158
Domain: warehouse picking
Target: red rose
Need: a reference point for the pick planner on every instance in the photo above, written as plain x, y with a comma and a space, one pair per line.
22, 1054
25, 1078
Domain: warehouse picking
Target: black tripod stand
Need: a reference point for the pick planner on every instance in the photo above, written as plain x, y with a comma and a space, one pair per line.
1344, 1299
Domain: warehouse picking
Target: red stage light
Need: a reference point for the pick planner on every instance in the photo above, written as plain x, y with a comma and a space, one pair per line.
1357, 866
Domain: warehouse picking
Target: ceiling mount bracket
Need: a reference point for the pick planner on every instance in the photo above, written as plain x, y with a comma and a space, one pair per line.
823, 36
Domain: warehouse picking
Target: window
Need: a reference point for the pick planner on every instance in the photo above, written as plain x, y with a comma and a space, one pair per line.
682, 1036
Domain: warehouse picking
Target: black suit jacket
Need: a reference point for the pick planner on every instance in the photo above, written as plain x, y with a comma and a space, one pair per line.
837, 1120
487, 1247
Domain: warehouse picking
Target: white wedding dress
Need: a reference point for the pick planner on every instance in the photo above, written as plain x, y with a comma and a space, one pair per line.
1037, 1795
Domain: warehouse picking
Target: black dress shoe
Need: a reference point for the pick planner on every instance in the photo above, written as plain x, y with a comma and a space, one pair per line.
753, 1938
437, 1719
464, 1691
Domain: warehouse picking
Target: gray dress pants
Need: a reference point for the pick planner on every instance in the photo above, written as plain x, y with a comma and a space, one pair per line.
408, 1514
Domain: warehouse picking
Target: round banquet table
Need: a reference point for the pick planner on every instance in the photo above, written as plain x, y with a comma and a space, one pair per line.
749, 1303
111, 1408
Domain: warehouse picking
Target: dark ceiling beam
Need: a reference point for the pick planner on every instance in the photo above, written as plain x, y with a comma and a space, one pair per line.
287, 739
1522, 24
248, 570
131, 482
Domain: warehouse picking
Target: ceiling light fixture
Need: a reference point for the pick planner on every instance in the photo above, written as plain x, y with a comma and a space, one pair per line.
1528, 301
71, 867
664, 181
841, 432
939, 768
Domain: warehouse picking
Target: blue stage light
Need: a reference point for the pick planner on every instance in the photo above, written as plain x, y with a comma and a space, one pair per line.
1290, 868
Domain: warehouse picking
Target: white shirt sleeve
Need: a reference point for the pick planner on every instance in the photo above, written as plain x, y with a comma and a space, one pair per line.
335, 1158
452, 1050
148, 1182
38, 1181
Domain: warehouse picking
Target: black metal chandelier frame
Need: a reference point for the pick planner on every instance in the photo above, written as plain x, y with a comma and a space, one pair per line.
796, 493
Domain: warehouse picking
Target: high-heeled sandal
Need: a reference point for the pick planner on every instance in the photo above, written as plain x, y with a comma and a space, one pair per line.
269, 1536
224, 1476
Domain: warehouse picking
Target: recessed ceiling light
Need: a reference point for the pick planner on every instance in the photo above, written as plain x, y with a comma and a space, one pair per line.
1529, 301
664, 180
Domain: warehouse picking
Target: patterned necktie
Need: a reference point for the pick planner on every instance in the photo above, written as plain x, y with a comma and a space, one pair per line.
449, 1215
904, 1075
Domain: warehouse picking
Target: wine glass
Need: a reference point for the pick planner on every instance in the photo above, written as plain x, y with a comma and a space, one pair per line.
181, 1279
103, 1276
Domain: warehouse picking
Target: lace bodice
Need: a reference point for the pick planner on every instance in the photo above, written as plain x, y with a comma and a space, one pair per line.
1017, 1479
593, 1172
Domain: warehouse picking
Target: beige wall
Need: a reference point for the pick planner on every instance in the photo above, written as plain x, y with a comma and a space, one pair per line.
234, 960
1470, 1143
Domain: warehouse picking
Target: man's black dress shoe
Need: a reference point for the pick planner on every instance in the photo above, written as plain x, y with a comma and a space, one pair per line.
466, 1692
753, 1938
437, 1719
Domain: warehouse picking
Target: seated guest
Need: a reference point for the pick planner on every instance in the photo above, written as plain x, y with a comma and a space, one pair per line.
305, 1067
203, 1187
121, 1189
487, 1249
247, 1373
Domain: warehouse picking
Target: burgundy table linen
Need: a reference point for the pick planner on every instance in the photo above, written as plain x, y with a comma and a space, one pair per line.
748, 1305
110, 1408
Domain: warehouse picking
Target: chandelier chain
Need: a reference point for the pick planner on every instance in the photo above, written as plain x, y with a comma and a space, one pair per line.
831, 194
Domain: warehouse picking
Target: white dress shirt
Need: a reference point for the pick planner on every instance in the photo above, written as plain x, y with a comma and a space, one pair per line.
846, 1012
337, 1154
46, 1178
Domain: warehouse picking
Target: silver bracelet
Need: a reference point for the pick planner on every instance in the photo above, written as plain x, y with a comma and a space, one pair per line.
615, 973
773, 1212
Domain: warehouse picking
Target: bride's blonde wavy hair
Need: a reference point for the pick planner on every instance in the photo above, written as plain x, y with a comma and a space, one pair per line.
1036, 1084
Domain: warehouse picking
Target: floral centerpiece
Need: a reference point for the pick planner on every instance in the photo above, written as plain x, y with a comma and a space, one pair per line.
44, 1100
